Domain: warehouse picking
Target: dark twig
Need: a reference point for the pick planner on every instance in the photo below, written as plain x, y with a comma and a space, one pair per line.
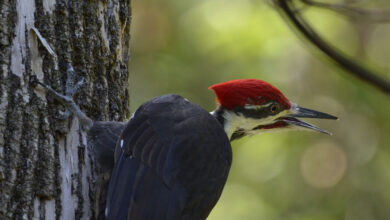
374, 15
288, 10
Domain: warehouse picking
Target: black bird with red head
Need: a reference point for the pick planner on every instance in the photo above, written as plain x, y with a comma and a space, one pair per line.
173, 157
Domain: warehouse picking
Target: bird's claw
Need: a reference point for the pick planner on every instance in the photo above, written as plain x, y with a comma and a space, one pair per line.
70, 89
67, 99
76, 87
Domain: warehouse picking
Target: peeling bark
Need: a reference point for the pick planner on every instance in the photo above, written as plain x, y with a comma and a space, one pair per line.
47, 168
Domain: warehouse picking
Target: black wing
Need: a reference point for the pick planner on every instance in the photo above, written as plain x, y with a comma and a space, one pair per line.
172, 162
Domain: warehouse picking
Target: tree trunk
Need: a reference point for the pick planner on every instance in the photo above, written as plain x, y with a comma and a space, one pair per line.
46, 167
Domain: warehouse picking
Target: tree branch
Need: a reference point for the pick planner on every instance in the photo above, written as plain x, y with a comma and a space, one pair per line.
351, 11
289, 11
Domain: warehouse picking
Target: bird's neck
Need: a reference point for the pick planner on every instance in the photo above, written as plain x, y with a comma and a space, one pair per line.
229, 121
218, 114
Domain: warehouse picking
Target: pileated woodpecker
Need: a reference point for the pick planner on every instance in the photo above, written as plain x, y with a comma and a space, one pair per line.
173, 157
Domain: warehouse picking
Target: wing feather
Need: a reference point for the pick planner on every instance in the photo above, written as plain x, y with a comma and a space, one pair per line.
169, 166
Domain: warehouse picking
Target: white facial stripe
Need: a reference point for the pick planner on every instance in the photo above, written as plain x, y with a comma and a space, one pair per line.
257, 107
234, 122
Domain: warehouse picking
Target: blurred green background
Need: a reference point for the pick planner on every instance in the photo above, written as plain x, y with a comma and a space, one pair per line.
185, 46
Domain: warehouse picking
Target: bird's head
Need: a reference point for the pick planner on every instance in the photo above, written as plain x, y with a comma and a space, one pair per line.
251, 106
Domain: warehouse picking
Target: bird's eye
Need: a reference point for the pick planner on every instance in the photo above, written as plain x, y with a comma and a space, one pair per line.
273, 108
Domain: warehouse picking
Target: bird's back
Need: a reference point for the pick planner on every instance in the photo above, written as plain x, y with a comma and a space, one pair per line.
172, 161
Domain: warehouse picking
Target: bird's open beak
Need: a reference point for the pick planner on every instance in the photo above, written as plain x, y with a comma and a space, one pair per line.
299, 112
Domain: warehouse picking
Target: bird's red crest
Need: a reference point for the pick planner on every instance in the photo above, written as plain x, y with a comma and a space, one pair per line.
240, 92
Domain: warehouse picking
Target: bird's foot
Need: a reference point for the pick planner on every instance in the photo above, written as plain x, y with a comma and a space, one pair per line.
70, 90
67, 99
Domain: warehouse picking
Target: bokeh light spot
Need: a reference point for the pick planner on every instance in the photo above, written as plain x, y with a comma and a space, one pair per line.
323, 165
361, 150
